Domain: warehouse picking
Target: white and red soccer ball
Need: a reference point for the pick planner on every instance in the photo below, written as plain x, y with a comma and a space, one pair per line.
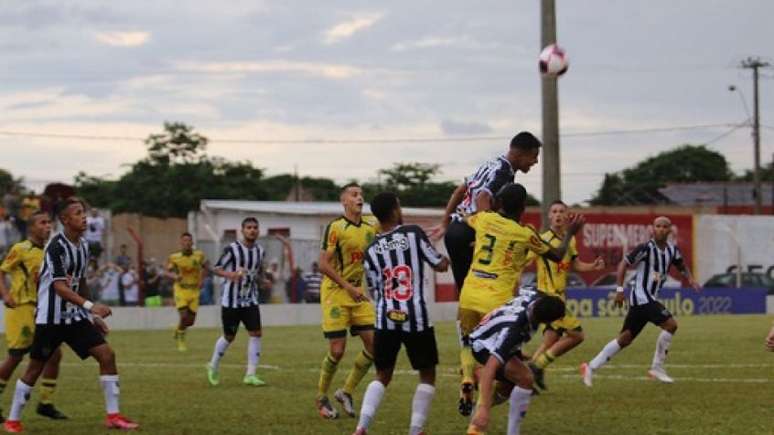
553, 61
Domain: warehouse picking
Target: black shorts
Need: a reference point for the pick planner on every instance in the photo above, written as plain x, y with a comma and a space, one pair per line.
638, 316
250, 316
81, 336
459, 240
482, 357
421, 348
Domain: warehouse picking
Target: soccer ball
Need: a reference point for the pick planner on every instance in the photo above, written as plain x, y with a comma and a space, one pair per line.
553, 61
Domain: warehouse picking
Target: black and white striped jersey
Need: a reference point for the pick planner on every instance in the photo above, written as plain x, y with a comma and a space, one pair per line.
396, 275
489, 177
503, 331
63, 261
238, 257
652, 270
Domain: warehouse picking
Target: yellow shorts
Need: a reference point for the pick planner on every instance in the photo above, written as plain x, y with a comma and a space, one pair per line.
20, 327
566, 323
188, 299
469, 319
340, 312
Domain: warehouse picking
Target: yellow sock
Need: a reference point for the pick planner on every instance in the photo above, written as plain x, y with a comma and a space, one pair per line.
544, 359
47, 389
468, 363
327, 370
363, 362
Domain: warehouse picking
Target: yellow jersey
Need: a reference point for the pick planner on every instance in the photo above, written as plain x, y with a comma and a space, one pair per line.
188, 268
23, 265
500, 253
552, 276
348, 241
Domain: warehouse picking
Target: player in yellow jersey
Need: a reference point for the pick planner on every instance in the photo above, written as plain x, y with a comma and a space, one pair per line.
566, 333
500, 253
23, 264
188, 269
343, 299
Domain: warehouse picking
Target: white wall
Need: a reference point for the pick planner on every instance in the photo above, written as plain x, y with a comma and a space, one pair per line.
719, 236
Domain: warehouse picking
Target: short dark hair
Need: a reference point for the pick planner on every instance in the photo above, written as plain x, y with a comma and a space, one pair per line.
555, 202
512, 198
348, 185
383, 204
249, 219
186, 234
548, 309
36, 214
525, 141
66, 203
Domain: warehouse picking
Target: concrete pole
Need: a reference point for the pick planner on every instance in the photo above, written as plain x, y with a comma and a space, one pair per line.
550, 157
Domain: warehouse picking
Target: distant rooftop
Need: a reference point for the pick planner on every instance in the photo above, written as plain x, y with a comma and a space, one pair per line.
716, 193
316, 208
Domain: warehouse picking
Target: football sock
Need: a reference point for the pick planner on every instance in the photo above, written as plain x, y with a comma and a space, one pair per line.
420, 407
604, 356
111, 390
468, 364
363, 362
253, 354
47, 389
327, 370
20, 398
221, 346
544, 359
518, 408
371, 400
662, 347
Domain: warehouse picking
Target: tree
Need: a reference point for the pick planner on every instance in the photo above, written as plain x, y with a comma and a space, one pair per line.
640, 184
321, 189
766, 174
177, 144
7, 182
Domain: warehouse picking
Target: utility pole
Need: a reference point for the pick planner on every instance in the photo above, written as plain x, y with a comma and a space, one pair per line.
551, 171
755, 64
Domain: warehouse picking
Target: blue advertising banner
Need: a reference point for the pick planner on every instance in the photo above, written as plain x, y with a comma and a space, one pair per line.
592, 302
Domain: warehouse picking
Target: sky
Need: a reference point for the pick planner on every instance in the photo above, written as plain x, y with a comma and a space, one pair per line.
253, 75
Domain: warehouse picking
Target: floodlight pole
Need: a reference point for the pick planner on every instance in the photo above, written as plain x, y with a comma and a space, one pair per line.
551, 170
755, 64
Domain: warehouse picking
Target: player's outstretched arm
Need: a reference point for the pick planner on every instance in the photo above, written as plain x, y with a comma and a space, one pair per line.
328, 270
456, 198
576, 222
582, 266
443, 266
620, 274
687, 274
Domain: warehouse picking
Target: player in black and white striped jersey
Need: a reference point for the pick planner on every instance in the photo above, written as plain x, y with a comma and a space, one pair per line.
476, 193
241, 264
65, 316
496, 344
395, 272
653, 261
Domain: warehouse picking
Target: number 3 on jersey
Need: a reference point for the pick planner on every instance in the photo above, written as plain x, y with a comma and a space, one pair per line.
403, 276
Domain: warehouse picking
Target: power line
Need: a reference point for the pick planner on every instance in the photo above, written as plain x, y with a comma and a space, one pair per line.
364, 140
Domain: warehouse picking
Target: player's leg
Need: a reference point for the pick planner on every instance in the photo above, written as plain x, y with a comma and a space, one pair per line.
251, 317
663, 318
520, 375
468, 321
50, 374
633, 324
459, 240
18, 341
543, 356
386, 347
335, 320
423, 354
565, 334
230, 327
362, 318
187, 302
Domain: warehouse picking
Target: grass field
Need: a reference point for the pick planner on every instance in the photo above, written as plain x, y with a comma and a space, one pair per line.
724, 385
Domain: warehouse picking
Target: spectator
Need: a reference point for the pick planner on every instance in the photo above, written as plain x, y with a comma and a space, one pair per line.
109, 277
93, 279
269, 279
207, 293
11, 205
129, 288
296, 287
152, 279
29, 205
123, 260
313, 280
94, 232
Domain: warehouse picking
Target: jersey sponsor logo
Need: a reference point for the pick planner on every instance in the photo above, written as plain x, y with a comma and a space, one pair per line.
335, 312
356, 257
397, 316
484, 275
332, 238
396, 244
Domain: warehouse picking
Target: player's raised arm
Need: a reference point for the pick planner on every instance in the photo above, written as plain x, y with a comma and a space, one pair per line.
456, 198
538, 245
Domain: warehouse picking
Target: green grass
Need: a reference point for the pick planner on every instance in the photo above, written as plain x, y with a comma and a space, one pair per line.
724, 385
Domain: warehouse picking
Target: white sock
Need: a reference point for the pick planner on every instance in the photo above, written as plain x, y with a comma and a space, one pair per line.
662, 347
604, 356
518, 408
371, 400
221, 346
420, 407
253, 354
20, 397
111, 390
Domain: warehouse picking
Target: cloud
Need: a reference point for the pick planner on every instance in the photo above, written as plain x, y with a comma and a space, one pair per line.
123, 39
451, 127
346, 29
327, 70
464, 41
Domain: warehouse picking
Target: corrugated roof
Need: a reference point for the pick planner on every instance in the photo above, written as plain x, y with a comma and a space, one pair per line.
715, 193
301, 208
